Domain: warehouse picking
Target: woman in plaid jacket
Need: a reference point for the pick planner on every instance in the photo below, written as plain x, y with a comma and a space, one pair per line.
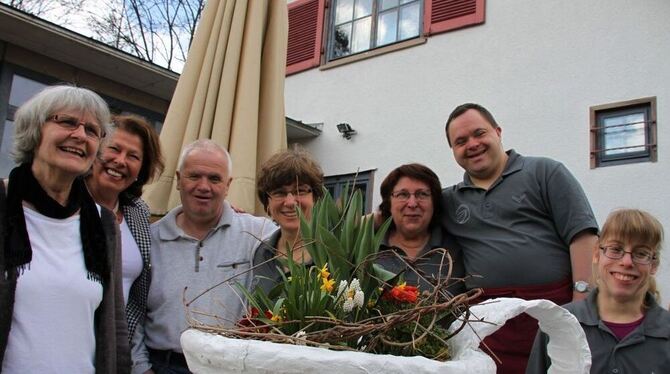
130, 158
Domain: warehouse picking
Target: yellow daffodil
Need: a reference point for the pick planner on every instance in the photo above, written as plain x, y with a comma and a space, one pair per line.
324, 271
328, 285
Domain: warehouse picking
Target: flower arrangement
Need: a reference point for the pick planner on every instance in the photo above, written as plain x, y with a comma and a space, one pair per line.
344, 300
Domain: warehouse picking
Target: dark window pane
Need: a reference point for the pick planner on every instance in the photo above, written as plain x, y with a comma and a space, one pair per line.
342, 40
6, 160
387, 27
23, 89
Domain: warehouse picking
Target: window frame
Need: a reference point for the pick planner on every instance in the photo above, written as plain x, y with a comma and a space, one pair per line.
337, 182
647, 106
329, 27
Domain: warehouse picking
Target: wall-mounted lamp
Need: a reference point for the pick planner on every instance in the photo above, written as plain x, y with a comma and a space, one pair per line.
345, 130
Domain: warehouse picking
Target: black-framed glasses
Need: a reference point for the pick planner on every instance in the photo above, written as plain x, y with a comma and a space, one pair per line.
403, 195
70, 123
280, 194
639, 256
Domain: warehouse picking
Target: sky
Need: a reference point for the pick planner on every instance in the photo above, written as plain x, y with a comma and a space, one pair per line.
79, 21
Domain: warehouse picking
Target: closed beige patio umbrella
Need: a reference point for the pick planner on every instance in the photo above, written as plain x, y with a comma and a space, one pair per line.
231, 91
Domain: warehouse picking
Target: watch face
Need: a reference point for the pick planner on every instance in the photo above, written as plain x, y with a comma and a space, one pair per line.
581, 286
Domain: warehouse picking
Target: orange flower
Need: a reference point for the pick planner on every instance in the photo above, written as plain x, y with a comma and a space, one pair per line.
402, 293
249, 322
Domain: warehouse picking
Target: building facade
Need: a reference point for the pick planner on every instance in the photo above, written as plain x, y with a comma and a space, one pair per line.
35, 53
583, 82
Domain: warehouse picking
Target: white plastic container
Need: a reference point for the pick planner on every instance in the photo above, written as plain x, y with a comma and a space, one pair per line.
568, 348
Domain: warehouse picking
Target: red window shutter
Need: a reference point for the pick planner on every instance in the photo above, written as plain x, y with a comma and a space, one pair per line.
446, 15
305, 25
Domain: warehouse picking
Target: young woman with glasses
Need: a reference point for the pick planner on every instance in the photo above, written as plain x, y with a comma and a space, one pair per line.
288, 180
627, 331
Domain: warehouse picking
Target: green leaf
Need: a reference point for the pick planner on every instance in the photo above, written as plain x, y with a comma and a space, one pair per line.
382, 273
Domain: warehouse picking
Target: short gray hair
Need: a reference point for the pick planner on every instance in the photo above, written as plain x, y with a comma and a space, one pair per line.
32, 115
204, 145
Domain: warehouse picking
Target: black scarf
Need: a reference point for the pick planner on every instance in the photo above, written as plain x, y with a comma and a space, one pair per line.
24, 187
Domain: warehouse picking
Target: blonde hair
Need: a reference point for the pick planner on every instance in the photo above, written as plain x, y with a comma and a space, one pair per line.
634, 225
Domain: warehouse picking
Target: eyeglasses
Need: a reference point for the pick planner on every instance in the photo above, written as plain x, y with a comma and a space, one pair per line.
639, 256
281, 194
419, 195
92, 130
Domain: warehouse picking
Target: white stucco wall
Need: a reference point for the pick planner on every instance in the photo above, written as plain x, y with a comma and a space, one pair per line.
536, 65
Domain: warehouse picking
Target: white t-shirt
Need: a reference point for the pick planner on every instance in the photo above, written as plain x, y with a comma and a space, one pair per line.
131, 258
53, 319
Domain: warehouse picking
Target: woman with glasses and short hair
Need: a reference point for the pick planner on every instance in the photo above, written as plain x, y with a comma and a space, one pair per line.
288, 180
61, 307
626, 329
412, 197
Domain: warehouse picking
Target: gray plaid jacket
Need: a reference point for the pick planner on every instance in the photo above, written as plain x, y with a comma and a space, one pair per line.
136, 213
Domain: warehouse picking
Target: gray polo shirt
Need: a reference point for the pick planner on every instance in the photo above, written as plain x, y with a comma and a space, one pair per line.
426, 269
180, 261
518, 232
645, 350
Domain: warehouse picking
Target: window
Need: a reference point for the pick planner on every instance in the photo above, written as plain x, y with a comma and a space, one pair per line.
360, 25
623, 132
21, 89
350, 27
362, 181
20, 84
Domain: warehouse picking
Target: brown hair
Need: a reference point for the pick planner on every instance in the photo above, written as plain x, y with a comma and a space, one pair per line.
288, 167
413, 171
459, 110
635, 225
152, 158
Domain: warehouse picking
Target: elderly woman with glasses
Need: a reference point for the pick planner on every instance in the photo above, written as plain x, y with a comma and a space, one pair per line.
288, 181
415, 246
626, 329
61, 307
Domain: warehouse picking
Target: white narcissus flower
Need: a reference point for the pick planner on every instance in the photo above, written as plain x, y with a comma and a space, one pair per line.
359, 299
348, 305
353, 295
341, 287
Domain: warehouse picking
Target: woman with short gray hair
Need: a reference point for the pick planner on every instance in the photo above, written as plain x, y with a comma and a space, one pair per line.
61, 309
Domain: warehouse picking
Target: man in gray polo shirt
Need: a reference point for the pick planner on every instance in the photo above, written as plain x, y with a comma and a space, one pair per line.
524, 223
196, 245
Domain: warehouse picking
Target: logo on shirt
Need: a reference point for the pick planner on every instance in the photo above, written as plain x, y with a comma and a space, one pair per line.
519, 199
462, 214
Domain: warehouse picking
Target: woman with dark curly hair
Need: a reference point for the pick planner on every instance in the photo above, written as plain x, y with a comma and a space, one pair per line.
288, 180
412, 197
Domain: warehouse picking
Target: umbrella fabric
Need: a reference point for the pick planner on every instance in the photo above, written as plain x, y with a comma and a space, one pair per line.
231, 91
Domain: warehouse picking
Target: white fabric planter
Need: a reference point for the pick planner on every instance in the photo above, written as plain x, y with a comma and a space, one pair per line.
568, 349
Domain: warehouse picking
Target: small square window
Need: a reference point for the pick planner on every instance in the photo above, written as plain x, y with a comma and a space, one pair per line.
362, 181
623, 132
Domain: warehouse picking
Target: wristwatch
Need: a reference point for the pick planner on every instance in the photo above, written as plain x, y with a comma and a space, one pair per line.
581, 286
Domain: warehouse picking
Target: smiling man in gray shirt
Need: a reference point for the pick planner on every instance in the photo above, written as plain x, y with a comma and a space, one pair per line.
195, 246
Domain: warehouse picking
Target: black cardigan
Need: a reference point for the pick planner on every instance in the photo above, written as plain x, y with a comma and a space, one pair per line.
112, 354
